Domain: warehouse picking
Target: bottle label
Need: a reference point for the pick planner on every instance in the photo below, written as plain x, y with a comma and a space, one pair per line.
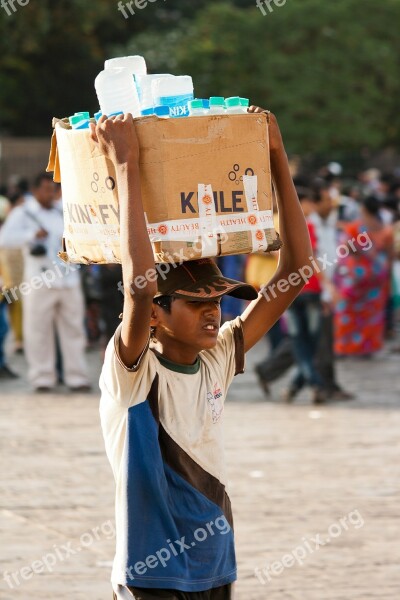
178, 105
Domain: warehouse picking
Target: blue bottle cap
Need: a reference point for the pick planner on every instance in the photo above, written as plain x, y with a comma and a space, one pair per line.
206, 103
78, 122
115, 114
97, 115
147, 111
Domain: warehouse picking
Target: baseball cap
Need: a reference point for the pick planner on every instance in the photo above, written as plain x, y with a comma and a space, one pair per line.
200, 280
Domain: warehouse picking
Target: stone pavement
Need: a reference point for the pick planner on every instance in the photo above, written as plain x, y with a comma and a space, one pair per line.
299, 475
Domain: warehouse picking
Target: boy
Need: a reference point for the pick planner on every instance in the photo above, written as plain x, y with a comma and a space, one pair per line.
162, 398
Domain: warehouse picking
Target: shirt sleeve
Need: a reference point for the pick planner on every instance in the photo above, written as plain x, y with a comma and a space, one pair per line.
17, 229
126, 386
228, 355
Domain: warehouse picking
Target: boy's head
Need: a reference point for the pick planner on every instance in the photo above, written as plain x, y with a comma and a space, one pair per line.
186, 308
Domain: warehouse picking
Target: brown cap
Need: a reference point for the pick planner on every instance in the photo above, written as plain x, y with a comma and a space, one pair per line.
199, 280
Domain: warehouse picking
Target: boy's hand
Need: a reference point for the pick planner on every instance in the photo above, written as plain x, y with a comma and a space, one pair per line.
275, 138
41, 234
117, 139
278, 294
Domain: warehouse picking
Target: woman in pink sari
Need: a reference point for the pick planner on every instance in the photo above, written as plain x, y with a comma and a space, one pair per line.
363, 283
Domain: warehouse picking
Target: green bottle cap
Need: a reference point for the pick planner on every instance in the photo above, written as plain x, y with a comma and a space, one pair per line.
232, 101
196, 103
84, 115
217, 101
244, 102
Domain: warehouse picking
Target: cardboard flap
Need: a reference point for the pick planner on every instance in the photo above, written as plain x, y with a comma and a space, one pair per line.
63, 255
53, 163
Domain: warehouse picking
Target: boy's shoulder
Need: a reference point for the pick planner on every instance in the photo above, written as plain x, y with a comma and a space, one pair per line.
128, 386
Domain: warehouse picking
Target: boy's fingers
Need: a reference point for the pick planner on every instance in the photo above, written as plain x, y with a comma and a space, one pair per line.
93, 133
256, 109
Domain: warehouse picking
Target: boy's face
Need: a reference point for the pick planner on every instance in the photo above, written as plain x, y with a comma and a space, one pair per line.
190, 323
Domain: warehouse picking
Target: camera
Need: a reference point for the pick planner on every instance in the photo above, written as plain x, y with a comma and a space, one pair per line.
38, 249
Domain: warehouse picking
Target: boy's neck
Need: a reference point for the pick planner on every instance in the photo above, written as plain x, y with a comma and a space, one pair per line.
177, 353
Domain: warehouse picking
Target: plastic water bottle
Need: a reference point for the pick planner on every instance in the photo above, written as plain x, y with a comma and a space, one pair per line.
233, 106
217, 105
196, 108
174, 92
136, 65
145, 87
116, 91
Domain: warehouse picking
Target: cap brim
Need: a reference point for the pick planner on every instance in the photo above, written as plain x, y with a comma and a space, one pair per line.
215, 288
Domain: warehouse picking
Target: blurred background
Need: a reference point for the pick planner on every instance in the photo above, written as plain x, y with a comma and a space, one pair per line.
328, 69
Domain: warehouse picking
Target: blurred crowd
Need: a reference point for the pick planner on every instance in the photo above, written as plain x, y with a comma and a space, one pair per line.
350, 306
54, 312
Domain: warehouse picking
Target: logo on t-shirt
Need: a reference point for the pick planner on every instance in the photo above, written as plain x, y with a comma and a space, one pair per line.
214, 399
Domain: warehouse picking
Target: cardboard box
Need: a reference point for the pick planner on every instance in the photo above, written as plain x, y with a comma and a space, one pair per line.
205, 181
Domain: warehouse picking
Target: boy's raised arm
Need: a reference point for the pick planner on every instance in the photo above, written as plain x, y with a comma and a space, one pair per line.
118, 141
295, 256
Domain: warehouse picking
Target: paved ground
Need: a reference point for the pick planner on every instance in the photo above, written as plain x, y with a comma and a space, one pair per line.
298, 476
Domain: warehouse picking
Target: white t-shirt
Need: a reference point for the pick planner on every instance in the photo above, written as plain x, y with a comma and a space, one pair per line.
163, 430
19, 231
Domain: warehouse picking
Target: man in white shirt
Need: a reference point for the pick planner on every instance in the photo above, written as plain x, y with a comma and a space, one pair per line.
324, 220
53, 299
